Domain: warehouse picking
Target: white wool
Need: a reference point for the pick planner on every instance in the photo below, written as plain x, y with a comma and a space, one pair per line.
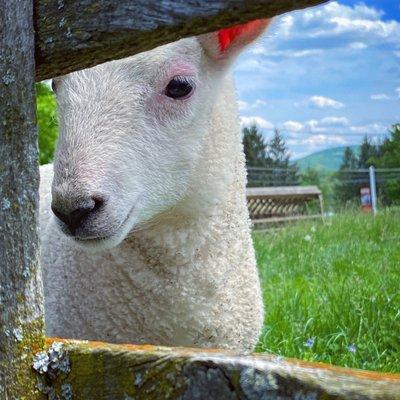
184, 273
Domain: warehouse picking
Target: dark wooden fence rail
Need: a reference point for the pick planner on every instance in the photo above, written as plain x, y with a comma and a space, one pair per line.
71, 35
76, 34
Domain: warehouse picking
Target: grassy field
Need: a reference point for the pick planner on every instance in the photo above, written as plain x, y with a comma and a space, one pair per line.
332, 290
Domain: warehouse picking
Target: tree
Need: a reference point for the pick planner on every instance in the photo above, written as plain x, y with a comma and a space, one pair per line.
278, 151
46, 110
389, 157
346, 190
255, 147
285, 172
368, 151
389, 152
310, 177
350, 161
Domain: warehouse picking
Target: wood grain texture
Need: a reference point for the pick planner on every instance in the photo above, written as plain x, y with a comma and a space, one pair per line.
283, 191
99, 371
21, 312
76, 34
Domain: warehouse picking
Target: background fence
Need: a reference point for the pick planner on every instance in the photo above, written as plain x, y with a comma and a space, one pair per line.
341, 189
268, 177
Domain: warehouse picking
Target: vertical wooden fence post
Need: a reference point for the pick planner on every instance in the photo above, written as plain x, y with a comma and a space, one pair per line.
21, 308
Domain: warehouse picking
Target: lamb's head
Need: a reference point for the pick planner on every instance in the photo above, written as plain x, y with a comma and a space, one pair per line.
131, 133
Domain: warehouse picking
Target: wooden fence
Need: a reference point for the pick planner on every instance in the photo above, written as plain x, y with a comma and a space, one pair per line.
44, 38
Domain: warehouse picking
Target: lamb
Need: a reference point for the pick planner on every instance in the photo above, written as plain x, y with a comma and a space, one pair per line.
144, 226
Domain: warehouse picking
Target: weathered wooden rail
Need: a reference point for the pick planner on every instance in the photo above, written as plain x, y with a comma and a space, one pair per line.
100, 371
54, 38
284, 203
76, 34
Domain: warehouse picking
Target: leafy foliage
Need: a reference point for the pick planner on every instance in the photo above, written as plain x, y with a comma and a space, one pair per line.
389, 152
389, 157
311, 177
380, 155
46, 109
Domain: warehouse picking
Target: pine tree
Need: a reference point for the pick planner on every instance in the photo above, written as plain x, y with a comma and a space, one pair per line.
255, 147
389, 157
346, 191
285, 173
368, 151
389, 152
350, 161
277, 151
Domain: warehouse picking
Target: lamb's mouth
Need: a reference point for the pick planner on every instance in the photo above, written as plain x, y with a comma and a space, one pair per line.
110, 240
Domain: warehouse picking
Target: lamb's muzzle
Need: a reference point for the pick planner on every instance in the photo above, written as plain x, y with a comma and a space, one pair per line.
74, 213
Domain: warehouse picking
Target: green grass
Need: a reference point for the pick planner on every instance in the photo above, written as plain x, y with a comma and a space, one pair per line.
336, 282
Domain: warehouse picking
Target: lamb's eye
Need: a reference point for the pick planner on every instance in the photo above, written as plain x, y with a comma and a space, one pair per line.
179, 88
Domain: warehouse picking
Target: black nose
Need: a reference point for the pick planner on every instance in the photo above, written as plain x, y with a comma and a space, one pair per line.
73, 217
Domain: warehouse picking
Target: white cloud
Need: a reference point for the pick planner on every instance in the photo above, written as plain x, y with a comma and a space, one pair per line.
334, 121
262, 50
244, 105
368, 129
398, 91
373, 27
320, 126
318, 140
379, 96
357, 46
250, 64
259, 103
260, 121
313, 126
334, 19
293, 126
324, 102
286, 24
258, 49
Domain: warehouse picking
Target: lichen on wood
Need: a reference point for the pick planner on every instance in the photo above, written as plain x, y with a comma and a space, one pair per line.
21, 311
100, 371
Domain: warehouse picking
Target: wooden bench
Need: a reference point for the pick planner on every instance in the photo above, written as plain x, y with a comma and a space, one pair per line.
284, 203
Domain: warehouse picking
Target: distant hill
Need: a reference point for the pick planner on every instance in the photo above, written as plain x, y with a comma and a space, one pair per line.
328, 160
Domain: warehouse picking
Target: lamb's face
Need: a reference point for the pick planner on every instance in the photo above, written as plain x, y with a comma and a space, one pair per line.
130, 135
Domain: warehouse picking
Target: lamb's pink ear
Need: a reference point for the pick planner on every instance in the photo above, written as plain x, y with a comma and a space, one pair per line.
230, 41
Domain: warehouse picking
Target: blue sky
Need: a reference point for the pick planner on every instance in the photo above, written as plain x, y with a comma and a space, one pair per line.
325, 76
